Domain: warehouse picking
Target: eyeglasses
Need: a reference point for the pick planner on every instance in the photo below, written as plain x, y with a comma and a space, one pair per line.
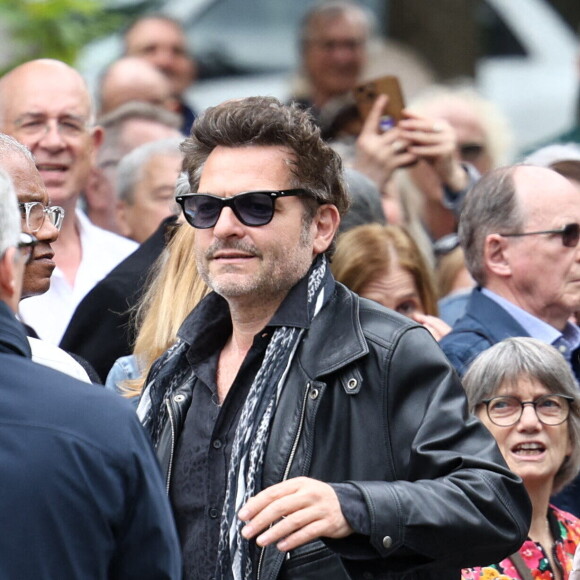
38, 125
26, 246
332, 45
34, 212
252, 208
470, 151
570, 234
446, 244
507, 411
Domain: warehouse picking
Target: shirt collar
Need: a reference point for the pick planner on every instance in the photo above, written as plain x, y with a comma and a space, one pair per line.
534, 326
211, 316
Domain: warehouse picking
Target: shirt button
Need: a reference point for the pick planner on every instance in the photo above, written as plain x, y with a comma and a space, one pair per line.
213, 513
562, 348
387, 541
217, 444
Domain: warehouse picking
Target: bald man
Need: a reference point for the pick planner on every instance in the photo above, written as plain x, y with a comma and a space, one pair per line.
134, 79
45, 105
161, 41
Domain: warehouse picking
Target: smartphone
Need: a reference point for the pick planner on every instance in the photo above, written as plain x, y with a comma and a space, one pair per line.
366, 94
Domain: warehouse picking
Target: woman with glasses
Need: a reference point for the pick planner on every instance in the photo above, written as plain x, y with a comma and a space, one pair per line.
525, 394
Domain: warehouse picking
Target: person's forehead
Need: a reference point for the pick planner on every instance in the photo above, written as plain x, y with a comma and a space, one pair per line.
154, 32
135, 132
25, 178
235, 169
161, 165
327, 26
46, 92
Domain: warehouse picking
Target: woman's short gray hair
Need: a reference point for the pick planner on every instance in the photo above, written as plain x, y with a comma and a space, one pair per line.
512, 359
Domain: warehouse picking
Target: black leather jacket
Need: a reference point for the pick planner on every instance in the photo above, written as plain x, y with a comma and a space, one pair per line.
371, 399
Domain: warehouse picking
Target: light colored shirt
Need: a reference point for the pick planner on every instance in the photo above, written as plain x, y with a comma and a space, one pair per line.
54, 357
566, 342
50, 313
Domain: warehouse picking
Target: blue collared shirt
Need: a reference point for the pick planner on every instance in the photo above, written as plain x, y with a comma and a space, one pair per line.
566, 342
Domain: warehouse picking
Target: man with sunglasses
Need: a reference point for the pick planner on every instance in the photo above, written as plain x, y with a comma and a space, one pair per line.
282, 381
519, 230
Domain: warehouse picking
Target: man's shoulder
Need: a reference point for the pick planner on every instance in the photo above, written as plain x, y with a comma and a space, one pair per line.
373, 320
484, 324
39, 397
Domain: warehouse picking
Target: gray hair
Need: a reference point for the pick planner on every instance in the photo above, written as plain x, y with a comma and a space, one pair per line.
512, 359
332, 10
9, 146
130, 169
497, 132
9, 214
490, 206
113, 124
182, 184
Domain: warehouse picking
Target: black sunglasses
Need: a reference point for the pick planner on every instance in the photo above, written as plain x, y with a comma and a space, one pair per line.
570, 234
252, 208
470, 151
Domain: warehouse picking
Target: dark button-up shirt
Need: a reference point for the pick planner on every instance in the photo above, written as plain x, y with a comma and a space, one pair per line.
203, 450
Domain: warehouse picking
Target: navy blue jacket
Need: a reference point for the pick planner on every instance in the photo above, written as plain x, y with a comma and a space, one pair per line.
80, 490
484, 324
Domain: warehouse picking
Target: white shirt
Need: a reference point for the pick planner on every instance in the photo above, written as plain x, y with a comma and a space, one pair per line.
54, 357
50, 313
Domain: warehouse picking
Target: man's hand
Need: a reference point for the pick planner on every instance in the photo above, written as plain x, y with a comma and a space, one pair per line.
379, 153
301, 510
435, 142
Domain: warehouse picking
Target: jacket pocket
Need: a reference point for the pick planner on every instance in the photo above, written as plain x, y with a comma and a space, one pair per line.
313, 561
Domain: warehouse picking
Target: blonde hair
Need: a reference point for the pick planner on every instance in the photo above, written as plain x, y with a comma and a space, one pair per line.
362, 254
174, 289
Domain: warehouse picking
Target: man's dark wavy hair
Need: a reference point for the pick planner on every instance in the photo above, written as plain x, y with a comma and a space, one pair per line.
265, 121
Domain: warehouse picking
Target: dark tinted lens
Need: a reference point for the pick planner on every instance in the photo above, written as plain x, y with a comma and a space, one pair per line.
470, 151
571, 235
254, 209
202, 211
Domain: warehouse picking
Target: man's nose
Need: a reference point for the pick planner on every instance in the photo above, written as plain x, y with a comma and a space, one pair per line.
228, 225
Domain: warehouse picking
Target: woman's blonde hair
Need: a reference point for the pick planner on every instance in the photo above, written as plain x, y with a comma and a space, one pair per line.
174, 289
362, 254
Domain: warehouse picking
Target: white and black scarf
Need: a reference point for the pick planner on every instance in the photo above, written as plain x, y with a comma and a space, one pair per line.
252, 432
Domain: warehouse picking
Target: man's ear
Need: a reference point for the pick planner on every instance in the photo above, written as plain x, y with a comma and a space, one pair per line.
496, 256
121, 218
9, 284
97, 134
326, 223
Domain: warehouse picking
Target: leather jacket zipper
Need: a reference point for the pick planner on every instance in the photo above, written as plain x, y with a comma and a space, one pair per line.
288, 465
172, 422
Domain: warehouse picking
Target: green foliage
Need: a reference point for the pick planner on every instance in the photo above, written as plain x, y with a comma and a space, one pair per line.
60, 28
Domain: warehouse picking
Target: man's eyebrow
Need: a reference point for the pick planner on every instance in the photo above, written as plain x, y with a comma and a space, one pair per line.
37, 115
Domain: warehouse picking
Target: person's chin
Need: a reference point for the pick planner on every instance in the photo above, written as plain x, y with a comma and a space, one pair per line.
38, 286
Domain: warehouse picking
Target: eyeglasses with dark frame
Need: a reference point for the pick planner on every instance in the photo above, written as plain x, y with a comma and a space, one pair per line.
506, 411
34, 212
26, 246
252, 208
570, 234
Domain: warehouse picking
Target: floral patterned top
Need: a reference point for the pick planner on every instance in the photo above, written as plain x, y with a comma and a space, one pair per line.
565, 529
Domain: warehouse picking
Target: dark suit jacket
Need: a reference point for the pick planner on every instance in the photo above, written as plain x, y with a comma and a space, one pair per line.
99, 330
484, 324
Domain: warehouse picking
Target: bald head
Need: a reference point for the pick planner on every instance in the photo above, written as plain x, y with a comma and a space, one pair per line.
133, 79
45, 104
25, 77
